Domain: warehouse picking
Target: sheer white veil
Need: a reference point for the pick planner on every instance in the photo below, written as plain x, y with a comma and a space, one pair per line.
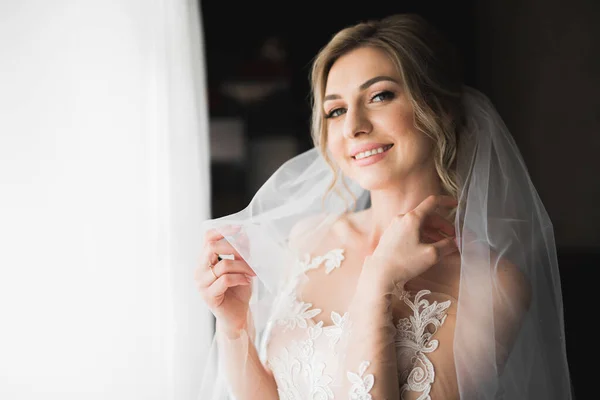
505, 238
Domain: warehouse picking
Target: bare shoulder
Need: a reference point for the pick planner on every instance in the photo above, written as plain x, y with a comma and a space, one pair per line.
508, 281
512, 283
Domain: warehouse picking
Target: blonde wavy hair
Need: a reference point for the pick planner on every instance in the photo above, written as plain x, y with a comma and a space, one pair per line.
431, 74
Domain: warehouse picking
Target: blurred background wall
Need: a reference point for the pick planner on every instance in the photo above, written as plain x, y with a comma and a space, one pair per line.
537, 60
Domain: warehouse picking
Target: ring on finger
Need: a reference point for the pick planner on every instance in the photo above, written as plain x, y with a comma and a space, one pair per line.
211, 267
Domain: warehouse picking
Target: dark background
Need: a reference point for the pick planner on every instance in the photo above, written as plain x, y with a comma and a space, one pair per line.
537, 60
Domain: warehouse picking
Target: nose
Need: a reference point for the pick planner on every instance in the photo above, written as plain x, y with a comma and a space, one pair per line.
356, 122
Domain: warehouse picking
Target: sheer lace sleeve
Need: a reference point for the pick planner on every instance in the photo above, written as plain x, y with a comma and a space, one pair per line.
394, 358
369, 360
424, 347
246, 376
413, 357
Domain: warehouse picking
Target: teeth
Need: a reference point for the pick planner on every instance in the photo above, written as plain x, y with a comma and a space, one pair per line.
369, 153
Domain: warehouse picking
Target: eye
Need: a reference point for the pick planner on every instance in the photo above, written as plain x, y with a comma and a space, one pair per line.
335, 113
385, 95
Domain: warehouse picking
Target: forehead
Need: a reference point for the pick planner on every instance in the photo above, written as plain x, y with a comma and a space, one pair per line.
354, 68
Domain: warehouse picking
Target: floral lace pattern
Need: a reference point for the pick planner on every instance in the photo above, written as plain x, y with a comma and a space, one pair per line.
332, 259
306, 358
297, 314
299, 370
413, 341
361, 383
337, 330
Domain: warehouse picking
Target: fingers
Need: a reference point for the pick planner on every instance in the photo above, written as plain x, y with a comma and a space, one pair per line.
441, 249
216, 245
203, 269
212, 235
426, 219
437, 222
220, 247
431, 235
220, 286
225, 267
233, 267
218, 233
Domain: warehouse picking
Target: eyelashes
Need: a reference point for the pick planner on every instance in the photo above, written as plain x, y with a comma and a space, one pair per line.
385, 95
332, 113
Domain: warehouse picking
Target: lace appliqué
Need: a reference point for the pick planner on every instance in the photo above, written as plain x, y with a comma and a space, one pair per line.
338, 329
413, 341
296, 313
400, 292
299, 372
333, 259
300, 367
361, 383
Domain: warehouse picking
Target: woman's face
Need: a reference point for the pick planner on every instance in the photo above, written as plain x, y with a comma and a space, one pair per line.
369, 121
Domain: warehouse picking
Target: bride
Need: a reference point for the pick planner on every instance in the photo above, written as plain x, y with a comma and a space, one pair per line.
406, 256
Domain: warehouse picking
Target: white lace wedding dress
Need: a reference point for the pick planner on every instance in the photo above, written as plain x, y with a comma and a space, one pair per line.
304, 354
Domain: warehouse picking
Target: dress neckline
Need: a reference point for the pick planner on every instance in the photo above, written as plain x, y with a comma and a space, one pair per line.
332, 260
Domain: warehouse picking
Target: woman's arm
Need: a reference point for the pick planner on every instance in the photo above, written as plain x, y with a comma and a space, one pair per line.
372, 335
370, 360
247, 377
511, 299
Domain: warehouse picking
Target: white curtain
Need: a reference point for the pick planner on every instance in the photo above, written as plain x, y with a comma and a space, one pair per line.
103, 185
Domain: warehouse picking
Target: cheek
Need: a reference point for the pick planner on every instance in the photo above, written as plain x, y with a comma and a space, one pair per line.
335, 147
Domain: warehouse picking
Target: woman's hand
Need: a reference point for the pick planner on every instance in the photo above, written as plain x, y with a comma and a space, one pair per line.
225, 285
412, 243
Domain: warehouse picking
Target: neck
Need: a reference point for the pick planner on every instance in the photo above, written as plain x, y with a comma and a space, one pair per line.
399, 199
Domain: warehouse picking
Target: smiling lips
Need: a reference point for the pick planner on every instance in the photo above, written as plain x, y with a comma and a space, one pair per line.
370, 150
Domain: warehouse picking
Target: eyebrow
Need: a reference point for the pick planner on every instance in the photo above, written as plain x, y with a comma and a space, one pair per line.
362, 87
